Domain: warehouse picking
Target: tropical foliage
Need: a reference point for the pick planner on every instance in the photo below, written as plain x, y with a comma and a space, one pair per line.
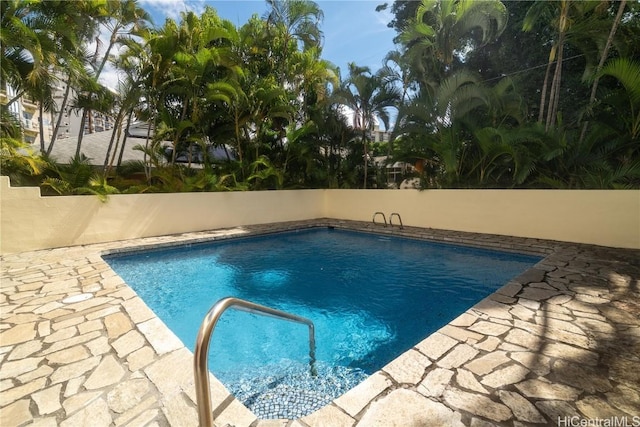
482, 94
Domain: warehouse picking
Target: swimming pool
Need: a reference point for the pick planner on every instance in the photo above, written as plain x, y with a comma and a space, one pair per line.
371, 298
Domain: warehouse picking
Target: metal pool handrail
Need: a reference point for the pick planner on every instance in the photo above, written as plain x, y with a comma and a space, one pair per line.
383, 217
391, 219
201, 353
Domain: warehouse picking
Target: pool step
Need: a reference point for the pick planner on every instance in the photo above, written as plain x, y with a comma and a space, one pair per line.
289, 391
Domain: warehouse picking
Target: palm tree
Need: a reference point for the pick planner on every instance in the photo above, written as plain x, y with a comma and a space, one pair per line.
625, 103
569, 21
17, 159
369, 98
65, 27
603, 58
122, 18
154, 59
300, 20
38, 39
444, 30
130, 91
22, 55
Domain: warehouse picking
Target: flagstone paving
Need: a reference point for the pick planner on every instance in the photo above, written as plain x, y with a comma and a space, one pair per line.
78, 347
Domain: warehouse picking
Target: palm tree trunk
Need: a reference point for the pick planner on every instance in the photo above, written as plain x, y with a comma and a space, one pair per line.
237, 131
116, 131
115, 149
555, 89
63, 106
124, 140
98, 71
41, 126
554, 100
545, 84
90, 118
147, 168
364, 143
81, 133
603, 58
177, 136
15, 98
85, 112
112, 42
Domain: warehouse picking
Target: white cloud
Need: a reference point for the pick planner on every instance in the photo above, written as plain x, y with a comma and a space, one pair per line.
171, 8
109, 77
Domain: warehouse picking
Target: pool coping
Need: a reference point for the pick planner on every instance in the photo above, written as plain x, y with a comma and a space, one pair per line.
496, 364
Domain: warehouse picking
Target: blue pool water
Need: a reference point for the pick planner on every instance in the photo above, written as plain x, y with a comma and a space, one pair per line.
370, 297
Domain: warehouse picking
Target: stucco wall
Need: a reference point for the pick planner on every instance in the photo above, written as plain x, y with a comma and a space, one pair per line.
601, 217
29, 221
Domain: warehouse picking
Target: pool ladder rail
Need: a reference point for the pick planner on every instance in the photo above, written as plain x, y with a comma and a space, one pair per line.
399, 219
201, 352
384, 218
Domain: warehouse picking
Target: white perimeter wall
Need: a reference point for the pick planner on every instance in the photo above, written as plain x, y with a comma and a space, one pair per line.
600, 217
30, 222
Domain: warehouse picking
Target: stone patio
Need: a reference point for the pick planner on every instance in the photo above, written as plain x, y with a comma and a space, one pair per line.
561, 340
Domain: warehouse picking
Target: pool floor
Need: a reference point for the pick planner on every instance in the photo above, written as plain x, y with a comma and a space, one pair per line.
562, 340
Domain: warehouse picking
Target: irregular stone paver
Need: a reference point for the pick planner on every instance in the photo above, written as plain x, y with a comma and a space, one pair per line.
593, 407
408, 368
96, 414
435, 382
485, 364
16, 414
489, 328
73, 370
15, 393
560, 340
557, 409
405, 408
179, 411
546, 390
625, 398
48, 400
18, 334
24, 350
127, 343
18, 367
162, 339
581, 376
330, 415
466, 380
521, 407
117, 324
353, 401
504, 376
136, 412
435, 345
477, 404
68, 355
108, 372
538, 363
456, 357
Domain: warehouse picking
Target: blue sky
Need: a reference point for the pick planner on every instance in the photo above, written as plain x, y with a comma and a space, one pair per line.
353, 30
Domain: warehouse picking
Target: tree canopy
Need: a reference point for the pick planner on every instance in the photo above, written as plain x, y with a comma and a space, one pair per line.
482, 94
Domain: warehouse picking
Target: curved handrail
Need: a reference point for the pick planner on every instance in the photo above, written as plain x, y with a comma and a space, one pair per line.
383, 217
201, 352
391, 220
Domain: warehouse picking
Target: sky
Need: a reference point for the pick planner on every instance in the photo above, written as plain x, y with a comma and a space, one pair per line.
353, 30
